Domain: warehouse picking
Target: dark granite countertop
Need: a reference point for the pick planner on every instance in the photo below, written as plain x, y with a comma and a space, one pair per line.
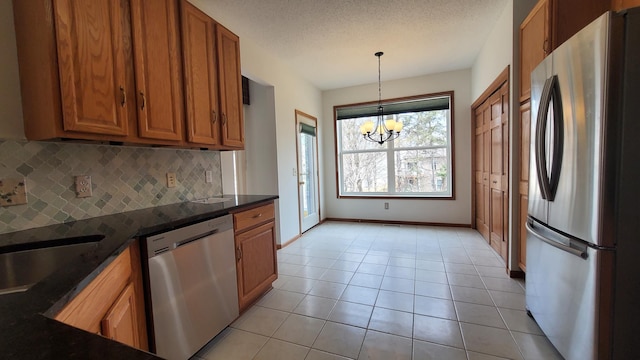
26, 329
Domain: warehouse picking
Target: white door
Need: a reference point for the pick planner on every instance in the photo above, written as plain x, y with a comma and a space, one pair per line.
307, 151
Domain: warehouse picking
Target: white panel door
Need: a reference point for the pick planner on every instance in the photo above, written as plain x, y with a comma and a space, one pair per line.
307, 152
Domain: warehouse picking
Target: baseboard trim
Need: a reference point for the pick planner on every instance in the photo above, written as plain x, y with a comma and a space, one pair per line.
286, 243
516, 274
395, 222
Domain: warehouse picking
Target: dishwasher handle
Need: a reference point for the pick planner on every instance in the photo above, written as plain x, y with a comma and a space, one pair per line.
188, 241
173, 239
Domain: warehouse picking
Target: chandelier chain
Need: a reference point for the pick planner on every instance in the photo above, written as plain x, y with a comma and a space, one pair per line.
379, 83
380, 130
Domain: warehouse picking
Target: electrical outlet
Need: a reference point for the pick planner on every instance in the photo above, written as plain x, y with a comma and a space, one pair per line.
386, 206
208, 176
13, 191
295, 172
83, 186
171, 180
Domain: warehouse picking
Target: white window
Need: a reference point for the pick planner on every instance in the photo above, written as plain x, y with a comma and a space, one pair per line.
418, 163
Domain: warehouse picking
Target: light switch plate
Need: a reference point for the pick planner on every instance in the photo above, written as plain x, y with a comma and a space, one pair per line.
83, 186
208, 176
13, 191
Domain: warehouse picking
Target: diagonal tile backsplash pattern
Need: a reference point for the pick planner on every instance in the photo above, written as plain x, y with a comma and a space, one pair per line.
123, 178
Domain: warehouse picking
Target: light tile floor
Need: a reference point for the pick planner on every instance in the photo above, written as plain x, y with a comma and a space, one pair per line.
373, 291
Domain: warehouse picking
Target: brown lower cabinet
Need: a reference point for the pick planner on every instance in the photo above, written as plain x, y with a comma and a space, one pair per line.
256, 259
112, 305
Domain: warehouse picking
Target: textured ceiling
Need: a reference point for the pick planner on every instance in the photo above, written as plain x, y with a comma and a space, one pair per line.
332, 42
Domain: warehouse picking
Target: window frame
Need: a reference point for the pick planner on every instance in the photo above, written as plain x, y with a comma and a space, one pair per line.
398, 196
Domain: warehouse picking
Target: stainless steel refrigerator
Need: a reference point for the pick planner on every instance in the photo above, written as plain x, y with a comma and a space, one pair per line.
583, 238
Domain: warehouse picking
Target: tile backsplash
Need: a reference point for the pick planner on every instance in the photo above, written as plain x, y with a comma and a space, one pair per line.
123, 178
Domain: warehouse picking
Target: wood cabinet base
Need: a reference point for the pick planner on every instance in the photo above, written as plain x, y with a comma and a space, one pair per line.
256, 256
112, 305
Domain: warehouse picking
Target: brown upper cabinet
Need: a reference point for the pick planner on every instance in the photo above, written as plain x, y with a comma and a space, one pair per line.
213, 87
624, 4
549, 24
200, 76
112, 70
535, 43
158, 69
230, 87
73, 68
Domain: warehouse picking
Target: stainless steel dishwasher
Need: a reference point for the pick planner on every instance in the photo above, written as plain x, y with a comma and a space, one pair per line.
192, 286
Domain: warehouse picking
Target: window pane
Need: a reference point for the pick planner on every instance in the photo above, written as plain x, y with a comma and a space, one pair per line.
364, 172
416, 164
351, 137
427, 128
421, 171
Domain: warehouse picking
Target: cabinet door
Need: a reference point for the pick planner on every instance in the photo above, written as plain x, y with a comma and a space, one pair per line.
624, 4
120, 322
230, 88
200, 75
88, 308
158, 69
257, 266
525, 124
535, 43
92, 65
570, 16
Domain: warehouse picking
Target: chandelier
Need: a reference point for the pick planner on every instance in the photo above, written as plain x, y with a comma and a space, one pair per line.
381, 130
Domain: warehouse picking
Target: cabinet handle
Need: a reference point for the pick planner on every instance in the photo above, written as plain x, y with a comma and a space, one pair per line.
224, 119
495, 181
124, 96
545, 46
144, 100
213, 117
238, 253
257, 216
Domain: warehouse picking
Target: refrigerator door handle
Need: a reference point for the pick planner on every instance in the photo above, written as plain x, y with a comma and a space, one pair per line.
541, 129
558, 139
577, 252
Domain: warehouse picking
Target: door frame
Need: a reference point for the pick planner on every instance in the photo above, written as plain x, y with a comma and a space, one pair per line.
300, 114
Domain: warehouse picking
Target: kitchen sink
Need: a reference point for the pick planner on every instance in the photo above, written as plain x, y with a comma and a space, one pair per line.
211, 200
24, 265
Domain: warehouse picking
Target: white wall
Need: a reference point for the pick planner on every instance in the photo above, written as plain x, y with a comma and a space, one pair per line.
456, 211
496, 54
252, 170
260, 141
11, 125
291, 92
